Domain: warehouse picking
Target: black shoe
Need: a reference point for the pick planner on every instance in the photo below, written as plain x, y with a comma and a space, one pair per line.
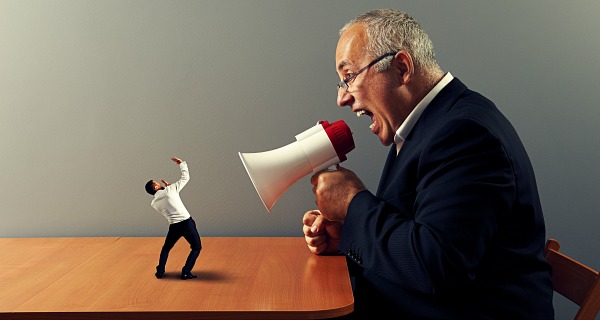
159, 273
188, 275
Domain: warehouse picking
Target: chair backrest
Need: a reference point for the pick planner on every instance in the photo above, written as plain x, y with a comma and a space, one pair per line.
575, 281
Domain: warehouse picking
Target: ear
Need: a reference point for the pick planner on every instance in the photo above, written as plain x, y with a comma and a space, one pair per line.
403, 66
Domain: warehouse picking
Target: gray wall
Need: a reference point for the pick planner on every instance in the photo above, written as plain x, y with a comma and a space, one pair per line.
95, 96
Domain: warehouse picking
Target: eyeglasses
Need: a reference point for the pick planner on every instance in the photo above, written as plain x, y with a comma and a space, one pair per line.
346, 82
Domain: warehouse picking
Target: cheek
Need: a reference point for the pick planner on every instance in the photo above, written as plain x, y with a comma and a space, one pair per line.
374, 93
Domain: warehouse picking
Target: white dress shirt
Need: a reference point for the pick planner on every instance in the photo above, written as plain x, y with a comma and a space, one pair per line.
167, 200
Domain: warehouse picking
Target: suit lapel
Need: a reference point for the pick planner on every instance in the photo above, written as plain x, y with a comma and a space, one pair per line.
389, 163
434, 112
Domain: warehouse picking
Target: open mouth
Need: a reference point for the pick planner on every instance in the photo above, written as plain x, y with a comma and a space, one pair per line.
361, 113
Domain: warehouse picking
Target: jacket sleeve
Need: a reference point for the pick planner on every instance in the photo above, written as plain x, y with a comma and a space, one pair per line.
430, 229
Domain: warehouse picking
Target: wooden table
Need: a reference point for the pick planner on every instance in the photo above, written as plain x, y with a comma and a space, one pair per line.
238, 278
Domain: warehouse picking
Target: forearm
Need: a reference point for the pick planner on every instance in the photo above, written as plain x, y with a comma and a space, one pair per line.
185, 176
381, 241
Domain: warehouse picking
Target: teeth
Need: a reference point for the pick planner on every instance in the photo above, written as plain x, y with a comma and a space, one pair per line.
372, 125
360, 113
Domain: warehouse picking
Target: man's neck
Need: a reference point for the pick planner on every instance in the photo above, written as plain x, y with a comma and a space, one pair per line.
422, 84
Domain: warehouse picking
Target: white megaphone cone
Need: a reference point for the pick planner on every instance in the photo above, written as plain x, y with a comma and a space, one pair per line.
273, 172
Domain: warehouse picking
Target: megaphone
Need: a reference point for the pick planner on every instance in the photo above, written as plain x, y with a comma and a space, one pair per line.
316, 149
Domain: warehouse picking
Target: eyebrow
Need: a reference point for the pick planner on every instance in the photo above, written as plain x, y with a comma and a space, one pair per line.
342, 64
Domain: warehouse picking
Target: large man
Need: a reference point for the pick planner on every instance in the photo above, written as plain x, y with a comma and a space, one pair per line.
168, 202
455, 230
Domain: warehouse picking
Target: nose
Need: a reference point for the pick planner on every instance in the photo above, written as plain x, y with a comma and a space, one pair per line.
343, 97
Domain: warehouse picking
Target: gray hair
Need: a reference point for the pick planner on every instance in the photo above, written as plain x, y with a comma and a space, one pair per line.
393, 30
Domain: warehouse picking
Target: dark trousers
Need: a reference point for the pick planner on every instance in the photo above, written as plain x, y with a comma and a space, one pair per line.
186, 229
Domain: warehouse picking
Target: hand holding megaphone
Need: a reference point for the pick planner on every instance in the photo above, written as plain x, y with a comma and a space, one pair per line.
316, 149
334, 190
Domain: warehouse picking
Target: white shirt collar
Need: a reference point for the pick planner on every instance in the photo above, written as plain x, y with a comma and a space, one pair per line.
414, 115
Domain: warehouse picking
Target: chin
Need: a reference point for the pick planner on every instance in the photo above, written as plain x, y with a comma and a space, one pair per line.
385, 142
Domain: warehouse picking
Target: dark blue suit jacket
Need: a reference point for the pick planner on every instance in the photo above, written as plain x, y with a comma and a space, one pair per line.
456, 229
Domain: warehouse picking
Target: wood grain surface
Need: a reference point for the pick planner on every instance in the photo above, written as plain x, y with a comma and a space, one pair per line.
238, 278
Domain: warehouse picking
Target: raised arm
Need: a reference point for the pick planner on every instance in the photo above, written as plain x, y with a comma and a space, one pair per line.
185, 174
